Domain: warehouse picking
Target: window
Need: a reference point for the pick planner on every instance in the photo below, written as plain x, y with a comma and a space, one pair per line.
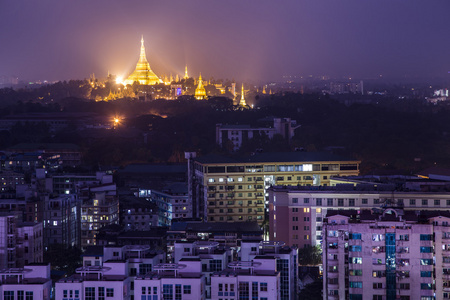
101, 293
378, 274
355, 260
404, 286
364, 201
306, 200
340, 202
356, 284
294, 200
263, 286
89, 293
426, 237
167, 291
437, 202
355, 272
424, 202
426, 249
8, 295
425, 273
448, 202
426, 286
426, 262
319, 201
20, 295
329, 202
355, 248
109, 292
351, 202
355, 236
378, 285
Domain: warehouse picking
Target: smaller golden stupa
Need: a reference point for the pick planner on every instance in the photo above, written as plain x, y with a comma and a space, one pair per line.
143, 74
242, 102
200, 92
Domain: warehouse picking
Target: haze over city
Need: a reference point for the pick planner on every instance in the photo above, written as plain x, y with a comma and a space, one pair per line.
257, 40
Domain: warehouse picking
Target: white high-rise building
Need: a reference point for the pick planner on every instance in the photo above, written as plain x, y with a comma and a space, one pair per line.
183, 281
388, 254
31, 283
257, 279
286, 259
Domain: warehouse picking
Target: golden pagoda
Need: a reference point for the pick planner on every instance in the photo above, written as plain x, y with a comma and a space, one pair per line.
186, 76
143, 74
242, 102
200, 92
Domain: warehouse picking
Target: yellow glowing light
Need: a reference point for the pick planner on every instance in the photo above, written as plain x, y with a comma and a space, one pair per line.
119, 80
116, 120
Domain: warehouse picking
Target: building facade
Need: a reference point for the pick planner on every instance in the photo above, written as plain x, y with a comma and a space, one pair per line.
237, 134
389, 254
296, 213
236, 190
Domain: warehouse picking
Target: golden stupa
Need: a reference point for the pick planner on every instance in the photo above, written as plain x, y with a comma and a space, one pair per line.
143, 74
242, 102
200, 92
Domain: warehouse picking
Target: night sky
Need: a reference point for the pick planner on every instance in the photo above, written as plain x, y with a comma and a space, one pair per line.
241, 39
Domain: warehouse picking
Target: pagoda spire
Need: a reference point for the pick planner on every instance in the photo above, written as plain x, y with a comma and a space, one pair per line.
242, 101
186, 76
142, 57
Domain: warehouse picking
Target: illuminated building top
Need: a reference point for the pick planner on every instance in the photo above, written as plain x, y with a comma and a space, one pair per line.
200, 92
143, 74
186, 76
242, 102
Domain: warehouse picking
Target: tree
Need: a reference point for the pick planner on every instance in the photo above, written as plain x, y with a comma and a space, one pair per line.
310, 256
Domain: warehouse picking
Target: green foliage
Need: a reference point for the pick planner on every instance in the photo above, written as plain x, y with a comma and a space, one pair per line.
310, 256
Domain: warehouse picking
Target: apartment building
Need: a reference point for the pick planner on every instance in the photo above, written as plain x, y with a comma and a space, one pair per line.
225, 189
110, 281
100, 209
30, 282
62, 221
183, 281
296, 213
213, 258
238, 134
286, 260
257, 279
20, 243
388, 254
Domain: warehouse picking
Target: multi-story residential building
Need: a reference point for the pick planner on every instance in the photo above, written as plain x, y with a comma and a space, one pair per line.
172, 202
101, 209
20, 243
237, 134
286, 260
62, 221
29, 244
213, 258
257, 279
227, 189
183, 281
9, 180
296, 213
30, 282
110, 281
387, 254
54, 154
139, 259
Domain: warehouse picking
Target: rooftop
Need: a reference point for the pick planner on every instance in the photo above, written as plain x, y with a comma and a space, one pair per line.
247, 227
267, 157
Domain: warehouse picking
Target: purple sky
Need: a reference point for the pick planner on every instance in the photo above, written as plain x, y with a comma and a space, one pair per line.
241, 39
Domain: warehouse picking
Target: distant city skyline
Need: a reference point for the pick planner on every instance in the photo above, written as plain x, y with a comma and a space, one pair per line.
245, 40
